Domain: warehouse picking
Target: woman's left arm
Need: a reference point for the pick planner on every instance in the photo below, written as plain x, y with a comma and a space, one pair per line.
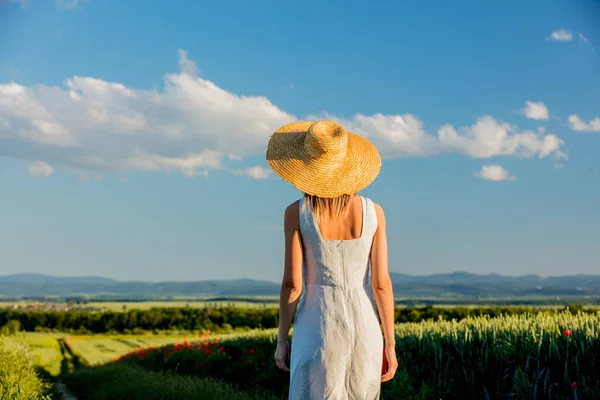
291, 284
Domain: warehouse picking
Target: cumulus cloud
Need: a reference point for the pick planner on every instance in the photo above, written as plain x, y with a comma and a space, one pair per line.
405, 136
91, 124
577, 124
495, 173
489, 137
561, 35
39, 168
394, 135
193, 126
256, 172
535, 110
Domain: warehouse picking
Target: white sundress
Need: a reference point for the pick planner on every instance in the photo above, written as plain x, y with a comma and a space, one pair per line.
337, 343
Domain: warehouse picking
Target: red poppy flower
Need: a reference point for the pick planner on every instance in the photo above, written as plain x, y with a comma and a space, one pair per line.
567, 332
574, 384
252, 351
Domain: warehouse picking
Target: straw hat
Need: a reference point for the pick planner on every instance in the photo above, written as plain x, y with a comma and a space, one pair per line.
322, 159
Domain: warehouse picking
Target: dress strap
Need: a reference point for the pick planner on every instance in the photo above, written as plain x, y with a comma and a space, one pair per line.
370, 223
306, 218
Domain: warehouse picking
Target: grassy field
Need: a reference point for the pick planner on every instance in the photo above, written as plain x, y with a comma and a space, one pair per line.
253, 302
538, 356
99, 349
553, 355
146, 305
44, 348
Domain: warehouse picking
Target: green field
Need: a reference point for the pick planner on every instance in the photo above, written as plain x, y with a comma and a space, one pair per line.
47, 352
259, 302
146, 305
99, 349
537, 356
44, 347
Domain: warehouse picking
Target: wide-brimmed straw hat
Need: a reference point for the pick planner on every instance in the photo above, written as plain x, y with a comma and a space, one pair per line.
323, 159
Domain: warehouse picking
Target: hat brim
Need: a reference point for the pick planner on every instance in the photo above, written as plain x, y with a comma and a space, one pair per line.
320, 176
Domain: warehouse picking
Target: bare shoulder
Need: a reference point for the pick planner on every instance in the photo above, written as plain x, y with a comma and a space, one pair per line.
380, 217
379, 211
292, 214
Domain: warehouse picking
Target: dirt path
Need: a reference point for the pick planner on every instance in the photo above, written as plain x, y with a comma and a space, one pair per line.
69, 363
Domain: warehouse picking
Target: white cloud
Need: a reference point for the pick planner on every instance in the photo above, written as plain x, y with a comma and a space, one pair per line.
495, 173
561, 35
186, 65
404, 136
489, 138
256, 172
39, 168
564, 35
537, 111
577, 124
394, 135
91, 124
193, 126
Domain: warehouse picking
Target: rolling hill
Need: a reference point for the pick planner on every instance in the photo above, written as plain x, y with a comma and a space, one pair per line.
458, 285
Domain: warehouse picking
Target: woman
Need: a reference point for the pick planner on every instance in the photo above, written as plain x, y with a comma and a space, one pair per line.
331, 237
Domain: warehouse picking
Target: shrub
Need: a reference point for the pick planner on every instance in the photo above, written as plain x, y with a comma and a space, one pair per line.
18, 376
12, 327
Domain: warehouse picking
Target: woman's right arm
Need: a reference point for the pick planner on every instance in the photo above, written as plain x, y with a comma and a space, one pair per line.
383, 292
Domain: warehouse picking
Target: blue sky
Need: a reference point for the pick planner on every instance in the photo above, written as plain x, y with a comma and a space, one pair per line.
132, 134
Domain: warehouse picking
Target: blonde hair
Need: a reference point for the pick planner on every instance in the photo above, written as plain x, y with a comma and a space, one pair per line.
328, 208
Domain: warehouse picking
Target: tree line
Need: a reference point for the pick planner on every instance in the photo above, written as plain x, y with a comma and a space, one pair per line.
215, 319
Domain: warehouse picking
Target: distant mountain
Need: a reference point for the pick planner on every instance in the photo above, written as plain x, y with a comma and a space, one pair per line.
458, 285
45, 279
479, 286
